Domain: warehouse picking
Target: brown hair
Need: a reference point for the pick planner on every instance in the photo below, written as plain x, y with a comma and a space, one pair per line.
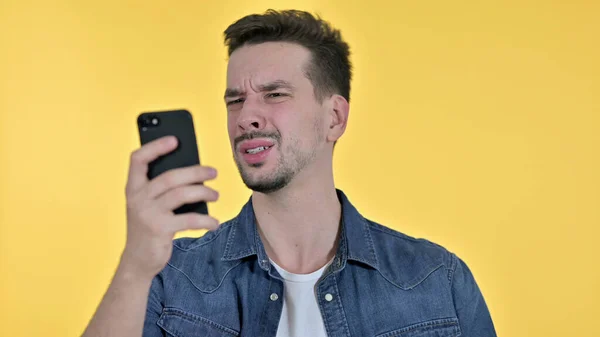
329, 70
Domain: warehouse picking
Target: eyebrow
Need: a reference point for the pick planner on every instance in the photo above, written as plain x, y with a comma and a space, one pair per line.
270, 86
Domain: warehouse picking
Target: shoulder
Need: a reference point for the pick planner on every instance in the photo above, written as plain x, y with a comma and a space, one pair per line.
405, 260
388, 238
200, 260
209, 240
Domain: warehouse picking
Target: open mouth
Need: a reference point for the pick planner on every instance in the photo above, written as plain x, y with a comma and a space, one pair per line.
255, 151
258, 149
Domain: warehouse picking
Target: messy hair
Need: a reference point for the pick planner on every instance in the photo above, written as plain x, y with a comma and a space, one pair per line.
329, 69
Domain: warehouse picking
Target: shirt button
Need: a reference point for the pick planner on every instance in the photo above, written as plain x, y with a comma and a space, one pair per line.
274, 297
328, 297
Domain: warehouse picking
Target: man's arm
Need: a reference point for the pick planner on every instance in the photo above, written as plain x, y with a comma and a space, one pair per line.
473, 314
123, 309
151, 226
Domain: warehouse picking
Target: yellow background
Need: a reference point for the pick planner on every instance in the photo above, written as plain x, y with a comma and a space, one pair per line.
474, 124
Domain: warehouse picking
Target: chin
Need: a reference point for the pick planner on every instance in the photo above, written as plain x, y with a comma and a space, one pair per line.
264, 182
265, 186
257, 165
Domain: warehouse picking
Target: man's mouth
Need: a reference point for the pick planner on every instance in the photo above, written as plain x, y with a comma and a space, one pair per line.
257, 149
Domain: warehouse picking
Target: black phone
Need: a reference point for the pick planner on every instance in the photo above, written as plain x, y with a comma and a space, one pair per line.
178, 123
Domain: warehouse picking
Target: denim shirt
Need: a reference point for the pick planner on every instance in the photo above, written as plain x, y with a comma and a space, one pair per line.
381, 284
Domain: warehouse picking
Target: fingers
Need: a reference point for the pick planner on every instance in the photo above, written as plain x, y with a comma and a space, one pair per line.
138, 167
175, 178
189, 221
187, 195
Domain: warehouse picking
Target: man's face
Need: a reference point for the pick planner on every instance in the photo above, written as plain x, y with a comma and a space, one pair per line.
275, 123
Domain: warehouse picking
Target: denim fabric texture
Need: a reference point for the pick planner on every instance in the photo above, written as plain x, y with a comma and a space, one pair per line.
381, 283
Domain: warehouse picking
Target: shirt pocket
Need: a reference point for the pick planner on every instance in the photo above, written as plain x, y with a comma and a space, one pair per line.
447, 327
178, 323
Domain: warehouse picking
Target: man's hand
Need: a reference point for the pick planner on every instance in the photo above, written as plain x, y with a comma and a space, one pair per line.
151, 226
151, 223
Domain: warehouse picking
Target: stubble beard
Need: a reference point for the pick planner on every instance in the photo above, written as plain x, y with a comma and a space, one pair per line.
286, 169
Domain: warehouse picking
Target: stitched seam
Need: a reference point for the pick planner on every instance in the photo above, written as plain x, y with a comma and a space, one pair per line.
229, 240
385, 230
408, 286
240, 255
452, 269
259, 250
362, 260
369, 239
427, 325
203, 239
338, 300
195, 318
325, 320
194, 284
264, 326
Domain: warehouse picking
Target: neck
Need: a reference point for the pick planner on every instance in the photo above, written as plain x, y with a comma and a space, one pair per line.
299, 224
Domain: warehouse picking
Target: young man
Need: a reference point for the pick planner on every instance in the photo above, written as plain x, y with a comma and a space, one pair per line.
299, 259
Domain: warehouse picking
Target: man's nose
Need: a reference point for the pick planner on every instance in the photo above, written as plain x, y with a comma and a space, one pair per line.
252, 115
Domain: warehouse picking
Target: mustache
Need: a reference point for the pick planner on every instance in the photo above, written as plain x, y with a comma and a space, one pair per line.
252, 135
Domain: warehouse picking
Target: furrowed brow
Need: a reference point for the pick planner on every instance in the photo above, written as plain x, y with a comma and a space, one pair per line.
279, 84
271, 86
232, 93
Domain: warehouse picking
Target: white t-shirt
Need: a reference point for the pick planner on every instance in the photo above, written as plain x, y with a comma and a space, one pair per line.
301, 316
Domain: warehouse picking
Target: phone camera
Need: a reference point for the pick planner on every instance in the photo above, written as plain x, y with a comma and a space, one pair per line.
149, 121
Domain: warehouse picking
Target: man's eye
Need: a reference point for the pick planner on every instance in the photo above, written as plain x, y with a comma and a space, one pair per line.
275, 95
239, 100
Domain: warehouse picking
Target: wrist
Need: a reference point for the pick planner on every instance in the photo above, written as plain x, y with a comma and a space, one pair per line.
129, 272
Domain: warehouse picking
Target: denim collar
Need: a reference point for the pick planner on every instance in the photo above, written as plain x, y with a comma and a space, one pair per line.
355, 240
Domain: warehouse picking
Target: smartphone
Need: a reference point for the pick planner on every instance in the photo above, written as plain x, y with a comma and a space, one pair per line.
178, 123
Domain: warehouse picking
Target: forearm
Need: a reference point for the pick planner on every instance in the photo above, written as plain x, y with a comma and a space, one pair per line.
123, 308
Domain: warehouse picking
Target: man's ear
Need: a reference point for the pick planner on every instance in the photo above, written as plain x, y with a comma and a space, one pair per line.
339, 110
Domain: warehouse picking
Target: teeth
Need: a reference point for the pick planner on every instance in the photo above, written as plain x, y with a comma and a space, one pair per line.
257, 149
